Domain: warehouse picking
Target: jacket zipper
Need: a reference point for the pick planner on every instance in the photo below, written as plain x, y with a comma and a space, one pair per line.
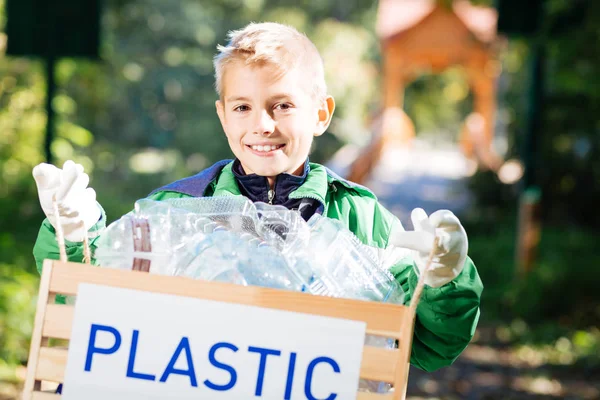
271, 196
271, 192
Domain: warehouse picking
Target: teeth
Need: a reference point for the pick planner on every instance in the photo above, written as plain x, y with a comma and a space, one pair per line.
265, 147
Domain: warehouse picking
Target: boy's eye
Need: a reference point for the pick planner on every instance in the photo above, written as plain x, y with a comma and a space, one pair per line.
241, 108
283, 106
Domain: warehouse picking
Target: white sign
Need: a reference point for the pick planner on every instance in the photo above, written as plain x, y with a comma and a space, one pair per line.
134, 345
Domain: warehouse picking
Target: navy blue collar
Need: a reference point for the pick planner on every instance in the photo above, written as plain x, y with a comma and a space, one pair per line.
256, 187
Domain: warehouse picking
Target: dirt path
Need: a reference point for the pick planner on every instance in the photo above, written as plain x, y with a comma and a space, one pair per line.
427, 176
492, 371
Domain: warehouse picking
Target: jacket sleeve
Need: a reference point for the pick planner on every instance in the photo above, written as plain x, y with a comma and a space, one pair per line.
446, 316
46, 245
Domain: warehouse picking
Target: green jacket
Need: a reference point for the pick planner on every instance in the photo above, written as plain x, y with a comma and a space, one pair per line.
446, 316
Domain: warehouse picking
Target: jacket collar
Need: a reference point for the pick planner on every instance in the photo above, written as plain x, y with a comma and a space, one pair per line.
219, 180
316, 184
257, 188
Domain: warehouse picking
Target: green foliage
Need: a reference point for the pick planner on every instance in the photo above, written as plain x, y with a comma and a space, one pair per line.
567, 160
438, 104
21, 123
17, 301
144, 116
562, 285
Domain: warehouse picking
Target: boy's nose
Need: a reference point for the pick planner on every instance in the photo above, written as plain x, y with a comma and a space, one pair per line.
265, 124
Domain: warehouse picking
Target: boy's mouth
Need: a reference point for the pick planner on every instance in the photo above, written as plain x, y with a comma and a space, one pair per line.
265, 149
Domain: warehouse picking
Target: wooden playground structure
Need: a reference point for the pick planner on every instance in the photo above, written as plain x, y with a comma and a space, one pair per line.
433, 35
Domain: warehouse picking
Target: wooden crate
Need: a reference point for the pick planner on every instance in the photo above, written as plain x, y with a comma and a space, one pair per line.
55, 320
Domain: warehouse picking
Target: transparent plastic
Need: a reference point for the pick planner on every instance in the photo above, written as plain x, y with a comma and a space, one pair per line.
230, 239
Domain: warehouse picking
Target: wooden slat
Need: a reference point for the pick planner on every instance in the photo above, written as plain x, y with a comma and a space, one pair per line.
374, 396
403, 366
52, 364
45, 396
401, 381
58, 321
379, 364
378, 316
360, 396
36, 336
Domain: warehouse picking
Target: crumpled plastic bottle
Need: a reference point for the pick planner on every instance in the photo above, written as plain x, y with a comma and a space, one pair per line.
342, 266
188, 236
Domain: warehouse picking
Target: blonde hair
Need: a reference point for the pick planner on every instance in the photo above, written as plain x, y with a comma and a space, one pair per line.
273, 44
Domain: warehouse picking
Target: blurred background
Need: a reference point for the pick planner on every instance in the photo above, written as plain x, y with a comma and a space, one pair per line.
487, 108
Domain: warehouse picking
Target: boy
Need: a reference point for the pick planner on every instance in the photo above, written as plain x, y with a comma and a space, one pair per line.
272, 101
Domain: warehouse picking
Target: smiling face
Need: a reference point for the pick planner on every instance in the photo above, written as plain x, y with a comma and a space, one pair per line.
270, 120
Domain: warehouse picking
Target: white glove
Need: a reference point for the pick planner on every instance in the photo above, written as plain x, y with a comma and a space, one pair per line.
77, 206
451, 251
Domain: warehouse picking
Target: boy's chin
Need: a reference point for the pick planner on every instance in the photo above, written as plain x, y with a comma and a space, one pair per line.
269, 172
270, 168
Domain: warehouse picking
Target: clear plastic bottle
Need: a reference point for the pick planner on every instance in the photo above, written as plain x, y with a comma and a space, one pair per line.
346, 266
258, 244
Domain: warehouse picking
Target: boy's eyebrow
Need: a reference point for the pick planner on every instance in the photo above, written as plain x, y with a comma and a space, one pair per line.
277, 96
280, 96
238, 98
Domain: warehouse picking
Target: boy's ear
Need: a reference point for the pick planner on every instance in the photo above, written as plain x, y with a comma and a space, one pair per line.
220, 112
326, 109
